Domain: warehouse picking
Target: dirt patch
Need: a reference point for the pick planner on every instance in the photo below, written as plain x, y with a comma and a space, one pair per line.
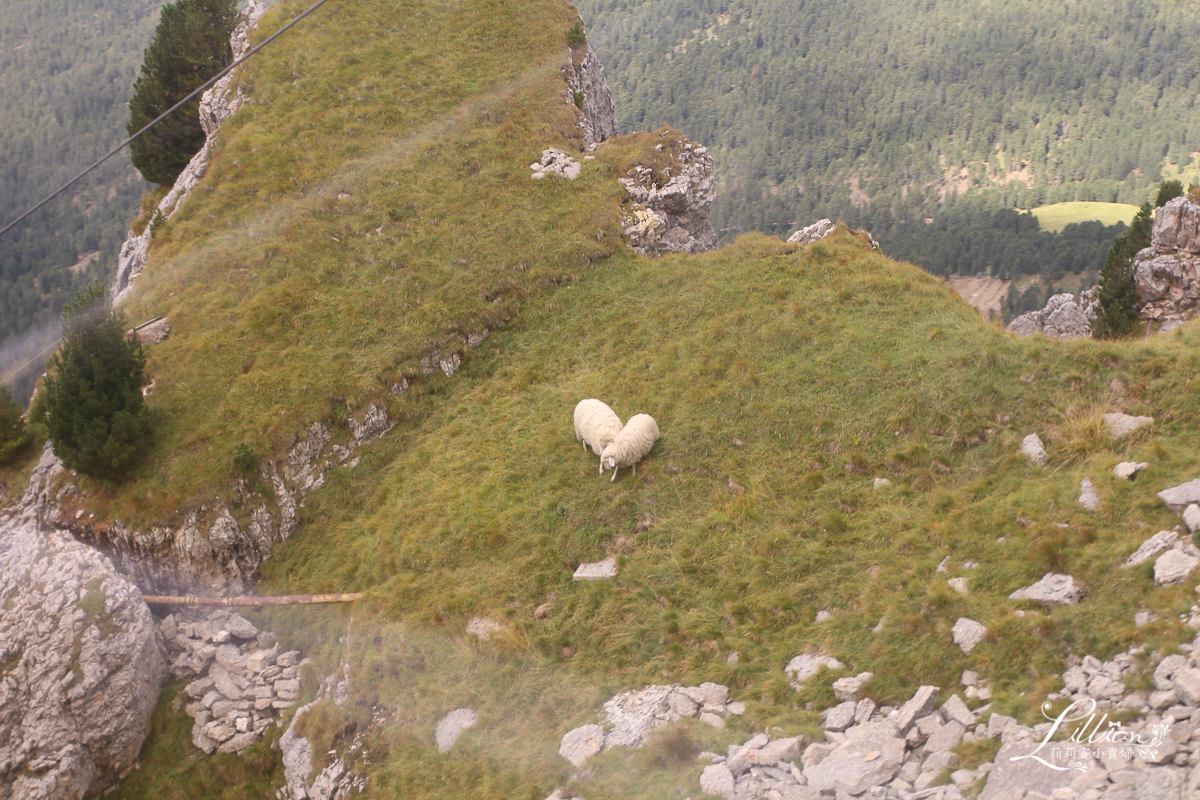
983, 293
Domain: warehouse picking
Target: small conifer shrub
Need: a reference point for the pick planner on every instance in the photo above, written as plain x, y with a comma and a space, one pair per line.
13, 433
575, 35
95, 414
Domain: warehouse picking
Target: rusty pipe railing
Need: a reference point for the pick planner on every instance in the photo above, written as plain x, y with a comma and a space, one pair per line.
284, 600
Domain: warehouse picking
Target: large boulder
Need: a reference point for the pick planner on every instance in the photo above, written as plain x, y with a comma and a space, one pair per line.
1062, 318
1167, 273
668, 206
81, 666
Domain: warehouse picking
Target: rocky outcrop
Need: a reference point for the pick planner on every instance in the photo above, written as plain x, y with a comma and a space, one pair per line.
669, 201
1062, 318
631, 716
335, 780
216, 105
239, 681
1167, 272
81, 666
211, 550
587, 90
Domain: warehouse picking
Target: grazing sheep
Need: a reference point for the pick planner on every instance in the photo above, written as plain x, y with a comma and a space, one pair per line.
631, 445
596, 424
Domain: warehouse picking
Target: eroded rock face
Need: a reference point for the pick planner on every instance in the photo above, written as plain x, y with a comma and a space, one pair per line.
216, 105
1062, 318
584, 76
668, 207
1168, 271
81, 666
210, 550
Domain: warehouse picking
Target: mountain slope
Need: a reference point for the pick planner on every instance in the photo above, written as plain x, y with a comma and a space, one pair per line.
371, 204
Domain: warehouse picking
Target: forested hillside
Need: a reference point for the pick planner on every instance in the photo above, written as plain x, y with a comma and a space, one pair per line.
66, 71
875, 111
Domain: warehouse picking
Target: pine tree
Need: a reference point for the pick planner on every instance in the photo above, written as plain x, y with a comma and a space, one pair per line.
1117, 292
190, 45
96, 417
13, 435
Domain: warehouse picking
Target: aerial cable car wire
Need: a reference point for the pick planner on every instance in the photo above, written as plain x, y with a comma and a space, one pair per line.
161, 117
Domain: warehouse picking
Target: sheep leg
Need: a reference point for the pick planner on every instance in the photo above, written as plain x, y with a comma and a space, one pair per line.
614, 477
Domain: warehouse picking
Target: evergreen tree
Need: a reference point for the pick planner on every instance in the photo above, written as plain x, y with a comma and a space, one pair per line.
96, 417
13, 435
190, 46
1117, 292
1168, 191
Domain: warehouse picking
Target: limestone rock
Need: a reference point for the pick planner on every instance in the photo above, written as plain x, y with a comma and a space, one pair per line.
581, 744
1128, 470
1088, 497
585, 78
668, 208
717, 780
959, 585
813, 233
840, 716
806, 665
870, 756
84, 664
849, 688
1062, 318
1032, 446
633, 714
598, 571
1053, 589
1156, 544
1180, 497
1167, 273
1191, 517
1015, 773
917, 708
968, 633
556, 162
483, 628
1174, 567
1121, 425
452, 726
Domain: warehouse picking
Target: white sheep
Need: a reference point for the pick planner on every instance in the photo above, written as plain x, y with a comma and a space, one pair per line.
631, 445
596, 424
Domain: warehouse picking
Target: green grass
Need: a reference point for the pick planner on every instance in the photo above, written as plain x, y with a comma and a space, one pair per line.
1055, 217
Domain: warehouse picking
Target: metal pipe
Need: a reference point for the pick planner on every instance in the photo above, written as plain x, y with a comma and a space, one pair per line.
285, 600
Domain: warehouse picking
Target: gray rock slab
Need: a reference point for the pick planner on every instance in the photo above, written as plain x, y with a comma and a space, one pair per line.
919, 706
1032, 447
717, 780
849, 688
1155, 545
1191, 517
1014, 772
1187, 686
968, 633
1089, 498
1053, 589
804, 666
579, 745
633, 714
870, 757
83, 664
452, 726
955, 709
945, 738
1180, 497
840, 716
598, 571
1127, 470
1174, 567
1121, 425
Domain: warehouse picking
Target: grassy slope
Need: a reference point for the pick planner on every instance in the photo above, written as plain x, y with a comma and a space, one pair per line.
480, 502
1057, 216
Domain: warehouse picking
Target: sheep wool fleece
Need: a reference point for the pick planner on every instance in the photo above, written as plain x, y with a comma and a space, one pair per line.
596, 425
631, 445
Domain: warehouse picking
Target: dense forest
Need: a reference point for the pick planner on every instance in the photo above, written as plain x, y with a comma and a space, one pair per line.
877, 111
66, 72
